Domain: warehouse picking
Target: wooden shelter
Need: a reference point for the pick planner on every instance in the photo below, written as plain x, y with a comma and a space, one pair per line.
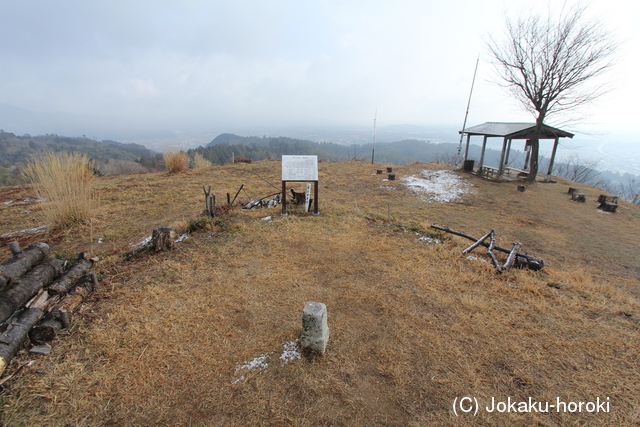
508, 132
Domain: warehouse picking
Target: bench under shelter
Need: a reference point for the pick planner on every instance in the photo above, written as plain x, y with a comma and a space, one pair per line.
509, 132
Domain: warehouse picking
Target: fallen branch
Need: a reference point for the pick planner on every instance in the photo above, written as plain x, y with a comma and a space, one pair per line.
478, 243
521, 260
260, 202
492, 245
512, 256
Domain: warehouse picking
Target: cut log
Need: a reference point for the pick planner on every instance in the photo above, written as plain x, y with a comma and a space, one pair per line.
63, 284
20, 265
12, 340
19, 292
573, 190
163, 239
59, 317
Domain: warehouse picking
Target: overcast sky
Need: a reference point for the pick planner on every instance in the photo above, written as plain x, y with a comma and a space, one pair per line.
208, 64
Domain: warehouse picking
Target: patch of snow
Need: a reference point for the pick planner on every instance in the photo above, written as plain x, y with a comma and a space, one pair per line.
290, 352
8, 203
475, 258
146, 241
387, 188
604, 212
182, 237
440, 186
100, 240
257, 363
266, 218
430, 240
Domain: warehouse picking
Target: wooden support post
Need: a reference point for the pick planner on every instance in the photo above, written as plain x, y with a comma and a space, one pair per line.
466, 149
502, 154
284, 197
315, 198
484, 146
553, 157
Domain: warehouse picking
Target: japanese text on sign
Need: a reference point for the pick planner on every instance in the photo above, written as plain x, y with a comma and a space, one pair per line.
299, 168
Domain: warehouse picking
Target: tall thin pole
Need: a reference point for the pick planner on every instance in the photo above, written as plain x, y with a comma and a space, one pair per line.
464, 124
373, 150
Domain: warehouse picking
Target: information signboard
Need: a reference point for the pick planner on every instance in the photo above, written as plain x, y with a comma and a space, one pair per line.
299, 168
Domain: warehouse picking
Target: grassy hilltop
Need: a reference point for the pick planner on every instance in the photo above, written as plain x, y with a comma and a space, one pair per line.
414, 323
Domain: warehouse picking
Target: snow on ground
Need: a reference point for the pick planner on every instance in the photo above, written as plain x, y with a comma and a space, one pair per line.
289, 354
441, 186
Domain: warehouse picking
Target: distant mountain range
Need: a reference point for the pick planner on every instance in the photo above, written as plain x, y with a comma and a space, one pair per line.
16, 149
226, 146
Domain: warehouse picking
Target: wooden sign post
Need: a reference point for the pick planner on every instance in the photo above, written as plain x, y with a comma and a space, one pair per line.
300, 169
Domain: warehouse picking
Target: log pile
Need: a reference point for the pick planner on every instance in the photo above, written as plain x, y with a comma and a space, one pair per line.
38, 295
514, 258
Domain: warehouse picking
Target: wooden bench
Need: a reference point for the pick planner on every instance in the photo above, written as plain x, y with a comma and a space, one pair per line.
578, 197
489, 170
607, 198
608, 206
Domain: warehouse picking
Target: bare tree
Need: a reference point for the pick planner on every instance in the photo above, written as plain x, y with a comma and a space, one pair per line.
549, 63
630, 190
580, 170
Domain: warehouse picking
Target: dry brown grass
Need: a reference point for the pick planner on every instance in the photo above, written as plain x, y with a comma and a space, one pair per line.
199, 162
413, 324
176, 162
65, 181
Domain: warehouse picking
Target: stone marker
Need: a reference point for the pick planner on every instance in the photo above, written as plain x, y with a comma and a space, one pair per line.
315, 332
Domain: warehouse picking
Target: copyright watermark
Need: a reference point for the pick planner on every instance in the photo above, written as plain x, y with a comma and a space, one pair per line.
472, 405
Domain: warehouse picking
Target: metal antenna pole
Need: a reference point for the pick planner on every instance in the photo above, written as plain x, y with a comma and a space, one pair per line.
373, 150
464, 125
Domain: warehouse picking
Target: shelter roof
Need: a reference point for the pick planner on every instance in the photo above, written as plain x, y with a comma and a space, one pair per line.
516, 130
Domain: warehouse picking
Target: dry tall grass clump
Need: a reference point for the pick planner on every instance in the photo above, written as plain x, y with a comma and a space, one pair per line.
176, 162
65, 180
199, 162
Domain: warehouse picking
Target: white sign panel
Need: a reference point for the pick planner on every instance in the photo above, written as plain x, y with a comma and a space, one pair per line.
299, 168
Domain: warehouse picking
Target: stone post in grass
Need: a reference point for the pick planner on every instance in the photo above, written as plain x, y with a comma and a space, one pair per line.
315, 332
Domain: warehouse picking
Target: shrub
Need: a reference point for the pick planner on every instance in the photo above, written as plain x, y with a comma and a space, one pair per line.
65, 180
176, 162
199, 162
